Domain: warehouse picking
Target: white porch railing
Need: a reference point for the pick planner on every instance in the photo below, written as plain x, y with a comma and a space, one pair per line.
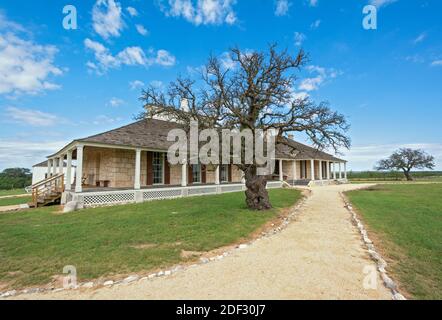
113, 197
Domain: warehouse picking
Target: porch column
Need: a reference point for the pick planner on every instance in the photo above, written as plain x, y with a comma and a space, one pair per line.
345, 170
340, 171
54, 166
60, 164
184, 174
68, 171
294, 171
49, 168
281, 175
320, 169
328, 170
334, 170
217, 174
137, 177
79, 178
312, 169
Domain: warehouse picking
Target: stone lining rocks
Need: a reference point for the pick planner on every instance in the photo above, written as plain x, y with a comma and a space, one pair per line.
381, 264
163, 273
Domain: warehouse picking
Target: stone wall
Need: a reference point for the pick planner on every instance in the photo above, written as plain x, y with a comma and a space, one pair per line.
237, 174
118, 167
114, 165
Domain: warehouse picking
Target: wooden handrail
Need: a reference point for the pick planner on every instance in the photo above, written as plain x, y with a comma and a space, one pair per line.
47, 180
54, 183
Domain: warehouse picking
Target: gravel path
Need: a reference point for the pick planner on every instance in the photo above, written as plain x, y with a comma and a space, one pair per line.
318, 256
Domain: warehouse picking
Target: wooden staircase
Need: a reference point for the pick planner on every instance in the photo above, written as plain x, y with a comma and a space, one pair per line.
48, 191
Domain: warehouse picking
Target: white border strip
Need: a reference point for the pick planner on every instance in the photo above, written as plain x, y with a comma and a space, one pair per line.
375, 256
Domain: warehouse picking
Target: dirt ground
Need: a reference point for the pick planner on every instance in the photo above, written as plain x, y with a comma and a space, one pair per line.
320, 255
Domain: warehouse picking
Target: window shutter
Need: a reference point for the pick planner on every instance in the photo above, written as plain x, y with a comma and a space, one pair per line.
203, 173
149, 168
166, 170
189, 174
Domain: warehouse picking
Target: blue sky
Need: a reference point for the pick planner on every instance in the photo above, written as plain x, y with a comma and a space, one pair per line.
57, 85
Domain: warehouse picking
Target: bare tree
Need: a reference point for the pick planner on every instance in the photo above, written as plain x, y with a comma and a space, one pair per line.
406, 159
250, 90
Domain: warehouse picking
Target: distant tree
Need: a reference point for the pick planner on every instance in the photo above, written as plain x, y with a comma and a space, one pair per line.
15, 178
406, 159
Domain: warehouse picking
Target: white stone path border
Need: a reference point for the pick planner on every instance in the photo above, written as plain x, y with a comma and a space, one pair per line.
203, 260
375, 256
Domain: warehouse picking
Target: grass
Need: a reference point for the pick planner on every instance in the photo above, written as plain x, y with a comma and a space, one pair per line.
407, 220
392, 175
12, 192
35, 245
14, 200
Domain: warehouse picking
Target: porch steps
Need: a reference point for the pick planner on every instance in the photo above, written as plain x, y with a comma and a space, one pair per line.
300, 182
48, 191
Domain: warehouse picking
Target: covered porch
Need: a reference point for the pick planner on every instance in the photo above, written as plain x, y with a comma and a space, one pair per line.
102, 167
310, 171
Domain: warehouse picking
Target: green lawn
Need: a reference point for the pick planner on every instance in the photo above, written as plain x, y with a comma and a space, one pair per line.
14, 200
407, 219
36, 244
12, 192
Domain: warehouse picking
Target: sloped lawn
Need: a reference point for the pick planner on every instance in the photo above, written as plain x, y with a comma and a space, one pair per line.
407, 220
35, 245
14, 200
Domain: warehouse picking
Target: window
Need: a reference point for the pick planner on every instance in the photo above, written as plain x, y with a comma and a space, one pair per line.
158, 168
277, 167
224, 173
303, 169
196, 173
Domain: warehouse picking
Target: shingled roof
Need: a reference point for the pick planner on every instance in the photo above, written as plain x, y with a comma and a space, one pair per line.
152, 134
146, 133
302, 151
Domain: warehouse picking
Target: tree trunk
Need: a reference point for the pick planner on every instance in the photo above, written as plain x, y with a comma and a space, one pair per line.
408, 175
257, 197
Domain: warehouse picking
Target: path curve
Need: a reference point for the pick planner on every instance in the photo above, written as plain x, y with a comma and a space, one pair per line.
320, 255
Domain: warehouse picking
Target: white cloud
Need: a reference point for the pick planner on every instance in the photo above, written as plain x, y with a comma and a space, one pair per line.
107, 19
364, 157
315, 25
322, 74
26, 153
157, 84
31, 117
436, 63
282, 7
136, 84
25, 66
164, 58
115, 102
420, 38
199, 12
381, 3
141, 30
6, 24
416, 58
103, 119
313, 3
130, 56
299, 38
132, 11
227, 61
